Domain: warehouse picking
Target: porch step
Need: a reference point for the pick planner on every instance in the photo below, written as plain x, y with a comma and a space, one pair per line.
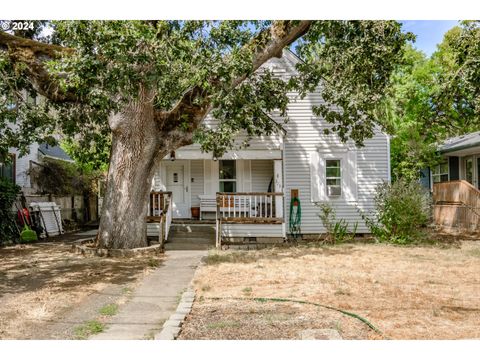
183, 246
191, 236
192, 221
195, 230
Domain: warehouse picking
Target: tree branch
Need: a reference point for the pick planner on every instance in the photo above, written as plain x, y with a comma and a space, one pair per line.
32, 54
195, 102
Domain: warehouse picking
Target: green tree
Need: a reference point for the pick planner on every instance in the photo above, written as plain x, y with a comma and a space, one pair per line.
433, 99
410, 112
148, 85
456, 97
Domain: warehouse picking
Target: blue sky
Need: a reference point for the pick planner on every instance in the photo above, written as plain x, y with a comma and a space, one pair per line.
429, 32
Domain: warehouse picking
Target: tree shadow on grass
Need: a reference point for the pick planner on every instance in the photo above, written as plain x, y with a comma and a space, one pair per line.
32, 267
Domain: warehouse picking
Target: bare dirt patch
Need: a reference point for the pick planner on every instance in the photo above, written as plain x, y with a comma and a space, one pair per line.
429, 292
41, 284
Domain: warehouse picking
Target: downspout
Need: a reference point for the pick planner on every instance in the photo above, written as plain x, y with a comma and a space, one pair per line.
284, 184
388, 160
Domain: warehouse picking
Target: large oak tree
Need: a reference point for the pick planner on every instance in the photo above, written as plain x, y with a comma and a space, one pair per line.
146, 86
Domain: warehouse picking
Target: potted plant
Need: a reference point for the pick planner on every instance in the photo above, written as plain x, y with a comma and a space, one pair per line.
195, 212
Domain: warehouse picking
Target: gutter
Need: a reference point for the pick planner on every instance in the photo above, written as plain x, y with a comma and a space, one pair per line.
459, 148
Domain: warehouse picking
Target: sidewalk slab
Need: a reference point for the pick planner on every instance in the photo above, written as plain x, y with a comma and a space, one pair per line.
155, 300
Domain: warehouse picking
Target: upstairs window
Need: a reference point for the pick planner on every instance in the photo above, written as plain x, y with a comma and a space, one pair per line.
440, 172
334, 177
227, 176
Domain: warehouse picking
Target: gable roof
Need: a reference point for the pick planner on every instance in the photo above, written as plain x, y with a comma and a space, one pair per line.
55, 152
460, 142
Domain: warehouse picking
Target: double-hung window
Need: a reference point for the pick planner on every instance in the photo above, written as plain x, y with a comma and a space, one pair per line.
333, 177
227, 176
440, 172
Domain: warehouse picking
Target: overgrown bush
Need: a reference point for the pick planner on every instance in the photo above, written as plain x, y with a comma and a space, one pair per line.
8, 194
402, 211
337, 231
62, 178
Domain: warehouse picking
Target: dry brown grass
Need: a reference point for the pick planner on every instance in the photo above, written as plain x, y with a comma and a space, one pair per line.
407, 292
40, 283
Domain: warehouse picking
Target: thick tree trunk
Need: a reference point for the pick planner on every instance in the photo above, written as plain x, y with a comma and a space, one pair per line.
135, 150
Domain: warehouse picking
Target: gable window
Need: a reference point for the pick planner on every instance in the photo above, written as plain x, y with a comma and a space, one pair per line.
440, 172
7, 168
334, 177
227, 176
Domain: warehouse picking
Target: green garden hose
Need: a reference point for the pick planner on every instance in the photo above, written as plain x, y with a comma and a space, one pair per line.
295, 217
265, 299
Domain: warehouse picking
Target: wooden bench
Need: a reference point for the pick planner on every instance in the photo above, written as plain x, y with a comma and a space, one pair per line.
208, 203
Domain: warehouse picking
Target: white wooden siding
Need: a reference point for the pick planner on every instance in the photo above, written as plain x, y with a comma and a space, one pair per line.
247, 230
262, 174
196, 173
304, 136
22, 166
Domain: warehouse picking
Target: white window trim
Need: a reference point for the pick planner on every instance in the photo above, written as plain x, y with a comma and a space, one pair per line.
228, 180
348, 163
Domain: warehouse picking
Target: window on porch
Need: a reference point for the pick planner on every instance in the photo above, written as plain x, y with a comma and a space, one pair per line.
440, 172
227, 176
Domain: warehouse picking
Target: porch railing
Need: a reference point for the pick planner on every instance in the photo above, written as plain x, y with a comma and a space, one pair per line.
457, 205
248, 208
160, 211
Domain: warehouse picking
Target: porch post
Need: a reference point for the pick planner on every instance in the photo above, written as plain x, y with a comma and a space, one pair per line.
278, 187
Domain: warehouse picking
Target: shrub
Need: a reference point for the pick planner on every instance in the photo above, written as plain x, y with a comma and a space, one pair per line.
337, 231
62, 178
402, 210
8, 194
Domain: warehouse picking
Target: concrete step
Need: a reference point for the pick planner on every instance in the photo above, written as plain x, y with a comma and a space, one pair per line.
190, 236
185, 228
183, 246
192, 221
172, 239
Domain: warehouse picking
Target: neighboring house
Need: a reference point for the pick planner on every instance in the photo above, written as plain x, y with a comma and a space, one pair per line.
461, 156
249, 191
18, 169
456, 182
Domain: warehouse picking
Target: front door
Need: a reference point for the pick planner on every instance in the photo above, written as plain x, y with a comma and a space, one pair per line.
177, 183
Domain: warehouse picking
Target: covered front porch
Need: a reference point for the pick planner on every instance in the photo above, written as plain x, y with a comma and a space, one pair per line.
456, 184
241, 193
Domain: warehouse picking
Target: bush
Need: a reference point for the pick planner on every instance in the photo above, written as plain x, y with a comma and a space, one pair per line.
337, 231
402, 210
62, 178
8, 194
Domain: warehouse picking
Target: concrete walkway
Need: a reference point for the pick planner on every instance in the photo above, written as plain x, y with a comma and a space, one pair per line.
154, 300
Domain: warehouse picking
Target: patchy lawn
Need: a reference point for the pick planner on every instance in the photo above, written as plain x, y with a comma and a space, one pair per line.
430, 292
46, 291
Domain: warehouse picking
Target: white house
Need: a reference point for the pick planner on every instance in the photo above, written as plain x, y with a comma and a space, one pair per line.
249, 191
18, 169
